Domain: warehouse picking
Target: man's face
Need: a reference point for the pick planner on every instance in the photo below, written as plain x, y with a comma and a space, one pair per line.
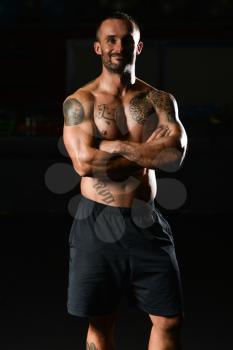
118, 44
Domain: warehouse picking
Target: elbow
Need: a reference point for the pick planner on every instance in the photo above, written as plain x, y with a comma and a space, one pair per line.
81, 168
170, 160
181, 158
176, 161
181, 152
82, 162
177, 155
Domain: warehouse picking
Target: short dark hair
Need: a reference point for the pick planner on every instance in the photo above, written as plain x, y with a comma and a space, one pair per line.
117, 15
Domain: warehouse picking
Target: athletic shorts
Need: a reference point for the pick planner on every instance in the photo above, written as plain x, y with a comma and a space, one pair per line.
118, 252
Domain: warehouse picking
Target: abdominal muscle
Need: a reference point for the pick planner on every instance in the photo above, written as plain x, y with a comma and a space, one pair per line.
140, 185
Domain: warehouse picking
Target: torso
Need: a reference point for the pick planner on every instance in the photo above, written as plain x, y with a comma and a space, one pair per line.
130, 118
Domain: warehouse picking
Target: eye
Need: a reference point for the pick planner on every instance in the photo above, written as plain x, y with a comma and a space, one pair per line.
111, 40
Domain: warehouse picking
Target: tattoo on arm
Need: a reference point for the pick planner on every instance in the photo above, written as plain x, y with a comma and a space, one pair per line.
73, 112
92, 346
163, 101
102, 190
140, 107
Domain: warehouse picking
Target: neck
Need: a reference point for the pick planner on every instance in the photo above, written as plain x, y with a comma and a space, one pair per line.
117, 84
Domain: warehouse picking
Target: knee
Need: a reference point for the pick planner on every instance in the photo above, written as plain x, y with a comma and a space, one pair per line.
167, 323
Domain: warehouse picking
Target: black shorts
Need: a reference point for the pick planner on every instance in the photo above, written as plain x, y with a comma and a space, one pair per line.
119, 251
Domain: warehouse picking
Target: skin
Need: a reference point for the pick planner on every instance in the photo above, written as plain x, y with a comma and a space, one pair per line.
92, 346
118, 130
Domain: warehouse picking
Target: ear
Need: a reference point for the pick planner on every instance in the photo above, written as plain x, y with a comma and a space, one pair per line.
139, 48
97, 48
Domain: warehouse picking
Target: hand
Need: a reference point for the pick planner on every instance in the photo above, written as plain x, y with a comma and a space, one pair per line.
160, 132
109, 146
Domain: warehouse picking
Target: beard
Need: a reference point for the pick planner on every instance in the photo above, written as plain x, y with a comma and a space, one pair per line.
118, 67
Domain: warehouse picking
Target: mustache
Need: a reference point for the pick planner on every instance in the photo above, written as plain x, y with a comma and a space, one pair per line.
117, 55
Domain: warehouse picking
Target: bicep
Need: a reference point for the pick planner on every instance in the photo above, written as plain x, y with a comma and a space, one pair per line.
78, 130
78, 140
168, 116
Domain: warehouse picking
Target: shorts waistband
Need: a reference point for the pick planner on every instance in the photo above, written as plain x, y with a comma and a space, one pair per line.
90, 204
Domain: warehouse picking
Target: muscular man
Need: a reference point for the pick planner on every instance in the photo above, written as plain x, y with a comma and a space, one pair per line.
118, 130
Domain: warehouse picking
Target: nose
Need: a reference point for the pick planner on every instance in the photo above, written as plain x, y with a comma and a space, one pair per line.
119, 46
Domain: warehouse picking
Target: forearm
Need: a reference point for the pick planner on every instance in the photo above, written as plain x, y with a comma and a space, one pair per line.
155, 155
120, 168
102, 164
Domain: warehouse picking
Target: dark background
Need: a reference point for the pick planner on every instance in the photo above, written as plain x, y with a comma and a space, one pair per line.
46, 53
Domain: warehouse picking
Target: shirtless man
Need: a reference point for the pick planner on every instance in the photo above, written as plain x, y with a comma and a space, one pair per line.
118, 130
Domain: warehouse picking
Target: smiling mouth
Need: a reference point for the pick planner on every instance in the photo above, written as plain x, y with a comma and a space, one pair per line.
118, 57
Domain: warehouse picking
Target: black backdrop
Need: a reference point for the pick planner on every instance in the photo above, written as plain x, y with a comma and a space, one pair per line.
192, 49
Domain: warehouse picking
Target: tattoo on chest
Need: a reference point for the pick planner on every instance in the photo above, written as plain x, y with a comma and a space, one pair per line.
161, 100
106, 113
73, 112
102, 190
111, 115
140, 108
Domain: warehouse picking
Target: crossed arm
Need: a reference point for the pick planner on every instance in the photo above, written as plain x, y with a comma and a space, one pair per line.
79, 137
164, 149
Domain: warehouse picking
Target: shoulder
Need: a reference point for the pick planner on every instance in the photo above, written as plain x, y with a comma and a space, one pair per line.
78, 106
163, 102
154, 94
84, 94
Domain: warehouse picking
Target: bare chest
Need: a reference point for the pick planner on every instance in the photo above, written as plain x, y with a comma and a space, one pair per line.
131, 119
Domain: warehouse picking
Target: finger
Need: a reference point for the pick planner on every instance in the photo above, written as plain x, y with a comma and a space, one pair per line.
160, 134
154, 134
164, 132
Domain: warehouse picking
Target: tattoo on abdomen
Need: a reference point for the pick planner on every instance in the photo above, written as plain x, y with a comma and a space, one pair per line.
140, 108
102, 190
73, 112
92, 346
162, 100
